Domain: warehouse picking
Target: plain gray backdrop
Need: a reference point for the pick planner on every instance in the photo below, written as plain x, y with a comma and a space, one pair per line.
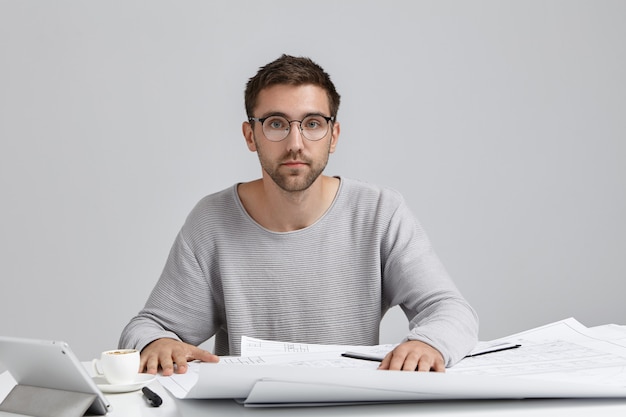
502, 122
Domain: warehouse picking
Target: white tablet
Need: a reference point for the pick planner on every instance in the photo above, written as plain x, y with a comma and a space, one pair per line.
49, 364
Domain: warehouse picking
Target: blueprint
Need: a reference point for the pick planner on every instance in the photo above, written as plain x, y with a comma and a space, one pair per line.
586, 362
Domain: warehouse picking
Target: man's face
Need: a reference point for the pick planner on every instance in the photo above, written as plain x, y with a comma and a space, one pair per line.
294, 163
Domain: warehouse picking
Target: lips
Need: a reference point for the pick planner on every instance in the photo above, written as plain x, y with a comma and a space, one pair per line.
294, 164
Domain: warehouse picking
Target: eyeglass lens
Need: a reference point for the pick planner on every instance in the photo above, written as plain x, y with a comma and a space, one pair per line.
276, 128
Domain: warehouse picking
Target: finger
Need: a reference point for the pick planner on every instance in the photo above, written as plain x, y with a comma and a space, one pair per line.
204, 356
411, 363
142, 363
397, 360
180, 359
439, 366
151, 364
384, 365
428, 364
167, 364
424, 365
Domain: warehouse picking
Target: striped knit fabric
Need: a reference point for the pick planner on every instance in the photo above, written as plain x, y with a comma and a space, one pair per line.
328, 283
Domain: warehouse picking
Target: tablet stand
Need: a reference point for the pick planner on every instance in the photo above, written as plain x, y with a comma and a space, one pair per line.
40, 402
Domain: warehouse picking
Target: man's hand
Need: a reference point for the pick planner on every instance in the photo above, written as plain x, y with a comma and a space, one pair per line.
414, 356
167, 352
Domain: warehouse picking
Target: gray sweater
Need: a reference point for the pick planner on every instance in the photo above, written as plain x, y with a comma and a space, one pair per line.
329, 283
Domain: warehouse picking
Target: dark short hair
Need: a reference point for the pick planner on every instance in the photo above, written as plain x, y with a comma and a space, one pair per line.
290, 70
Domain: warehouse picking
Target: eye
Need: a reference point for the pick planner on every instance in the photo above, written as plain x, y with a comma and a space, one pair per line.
276, 123
313, 122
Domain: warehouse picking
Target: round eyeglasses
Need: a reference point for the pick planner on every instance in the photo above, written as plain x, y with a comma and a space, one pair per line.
276, 128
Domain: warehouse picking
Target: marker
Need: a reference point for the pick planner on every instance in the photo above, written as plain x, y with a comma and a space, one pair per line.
153, 397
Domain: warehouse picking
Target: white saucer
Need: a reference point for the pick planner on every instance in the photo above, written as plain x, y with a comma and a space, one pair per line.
140, 382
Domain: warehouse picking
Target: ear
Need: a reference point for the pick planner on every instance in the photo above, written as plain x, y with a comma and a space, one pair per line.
248, 134
335, 136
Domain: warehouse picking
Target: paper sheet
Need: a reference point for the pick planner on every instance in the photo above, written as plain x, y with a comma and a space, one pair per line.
253, 347
563, 351
262, 384
586, 362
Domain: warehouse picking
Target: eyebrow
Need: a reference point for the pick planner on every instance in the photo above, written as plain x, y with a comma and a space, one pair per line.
277, 113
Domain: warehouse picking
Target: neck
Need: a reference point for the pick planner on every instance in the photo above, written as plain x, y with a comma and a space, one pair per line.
284, 211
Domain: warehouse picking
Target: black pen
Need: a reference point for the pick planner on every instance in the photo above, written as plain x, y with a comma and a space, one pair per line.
153, 397
494, 349
363, 356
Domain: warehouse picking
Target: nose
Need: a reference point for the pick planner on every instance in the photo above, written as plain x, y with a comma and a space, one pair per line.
295, 140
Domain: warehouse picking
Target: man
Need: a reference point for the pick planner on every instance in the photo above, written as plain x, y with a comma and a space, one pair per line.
297, 255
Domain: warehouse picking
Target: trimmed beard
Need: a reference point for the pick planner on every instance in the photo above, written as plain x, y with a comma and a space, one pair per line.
292, 182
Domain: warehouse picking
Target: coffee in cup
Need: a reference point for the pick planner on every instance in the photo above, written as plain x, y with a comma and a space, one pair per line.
119, 366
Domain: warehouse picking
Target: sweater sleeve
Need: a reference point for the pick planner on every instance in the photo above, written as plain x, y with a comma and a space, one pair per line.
415, 279
179, 307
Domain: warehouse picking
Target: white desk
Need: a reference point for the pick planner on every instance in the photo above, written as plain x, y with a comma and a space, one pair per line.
133, 404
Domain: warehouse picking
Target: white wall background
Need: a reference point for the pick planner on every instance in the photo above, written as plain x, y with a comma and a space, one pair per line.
502, 122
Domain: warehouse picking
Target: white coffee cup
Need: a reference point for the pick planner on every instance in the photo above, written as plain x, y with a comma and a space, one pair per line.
118, 366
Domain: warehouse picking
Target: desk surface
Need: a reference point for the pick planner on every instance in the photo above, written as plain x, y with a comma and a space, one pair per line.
133, 404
